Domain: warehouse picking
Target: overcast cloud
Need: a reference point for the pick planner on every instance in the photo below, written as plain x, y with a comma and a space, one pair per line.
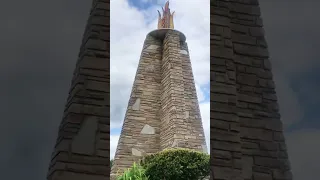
39, 47
292, 34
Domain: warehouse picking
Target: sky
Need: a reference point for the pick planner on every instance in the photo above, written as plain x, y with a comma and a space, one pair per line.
40, 41
291, 33
127, 35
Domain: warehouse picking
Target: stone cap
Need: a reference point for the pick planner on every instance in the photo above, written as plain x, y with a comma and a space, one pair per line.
161, 34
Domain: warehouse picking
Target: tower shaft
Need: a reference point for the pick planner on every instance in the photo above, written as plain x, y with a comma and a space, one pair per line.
247, 139
163, 110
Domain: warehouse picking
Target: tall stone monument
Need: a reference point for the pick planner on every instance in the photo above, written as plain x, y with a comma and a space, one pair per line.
82, 148
163, 110
247, 141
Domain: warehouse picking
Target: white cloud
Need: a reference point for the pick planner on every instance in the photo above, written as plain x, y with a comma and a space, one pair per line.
129, 27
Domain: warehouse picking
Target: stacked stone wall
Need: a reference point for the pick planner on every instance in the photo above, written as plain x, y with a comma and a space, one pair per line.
193, 120
241, 72
163, 110
141, 127
172, 97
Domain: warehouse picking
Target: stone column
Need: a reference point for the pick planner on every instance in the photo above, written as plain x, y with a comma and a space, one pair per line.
263, 146
181, 124
163, 110
192, 111
140, 131
82, 148
238, 38
172, 97
225, 128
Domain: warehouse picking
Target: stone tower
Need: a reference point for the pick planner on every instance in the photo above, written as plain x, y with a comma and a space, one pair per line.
163, 110
82, 148
247, 141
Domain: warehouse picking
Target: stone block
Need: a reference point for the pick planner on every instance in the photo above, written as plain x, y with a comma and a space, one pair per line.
184, 52
257, 134
136, 105
137, 152
147, 129
152, 47
84, 141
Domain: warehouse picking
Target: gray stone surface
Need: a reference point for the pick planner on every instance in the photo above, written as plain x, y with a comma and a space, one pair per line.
247, 141
146, 87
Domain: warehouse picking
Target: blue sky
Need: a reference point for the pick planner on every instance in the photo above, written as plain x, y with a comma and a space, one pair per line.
141, 4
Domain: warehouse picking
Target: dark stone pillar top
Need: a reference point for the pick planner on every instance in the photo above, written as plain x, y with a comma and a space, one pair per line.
161, 33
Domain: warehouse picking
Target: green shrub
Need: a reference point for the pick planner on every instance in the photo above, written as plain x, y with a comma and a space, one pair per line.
136, 172
177, 164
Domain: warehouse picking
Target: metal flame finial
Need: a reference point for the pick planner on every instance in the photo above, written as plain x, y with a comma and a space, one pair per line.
167, 18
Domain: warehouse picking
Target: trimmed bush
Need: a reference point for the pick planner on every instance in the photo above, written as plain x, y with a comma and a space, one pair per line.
136, 172
177, 164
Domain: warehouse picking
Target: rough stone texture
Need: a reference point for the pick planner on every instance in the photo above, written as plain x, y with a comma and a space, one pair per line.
132, 143
82, 148
169, 114
192, 127
246, 132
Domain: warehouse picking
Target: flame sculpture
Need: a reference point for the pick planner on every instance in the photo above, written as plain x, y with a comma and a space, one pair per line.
167, 18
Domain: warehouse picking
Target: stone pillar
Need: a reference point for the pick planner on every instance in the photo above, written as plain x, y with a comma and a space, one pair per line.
225, 136
172, 97
181, 124
140, 131
263, 149
82, 148
163, 110
196, 138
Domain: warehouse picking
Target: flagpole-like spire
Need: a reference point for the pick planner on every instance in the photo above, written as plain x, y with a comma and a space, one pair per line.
166, 21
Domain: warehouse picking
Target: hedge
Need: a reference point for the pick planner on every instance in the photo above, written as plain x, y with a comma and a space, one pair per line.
177, 164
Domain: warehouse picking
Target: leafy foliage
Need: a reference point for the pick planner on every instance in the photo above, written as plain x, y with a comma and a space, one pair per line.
136, 172
177, 164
